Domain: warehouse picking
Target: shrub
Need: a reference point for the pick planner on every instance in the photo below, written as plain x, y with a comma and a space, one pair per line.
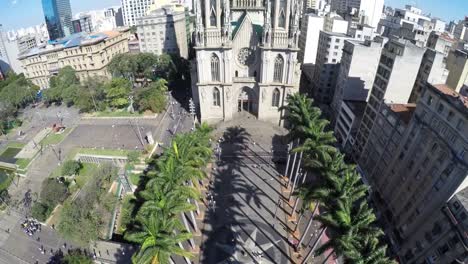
133, 156
71, 167
40, 211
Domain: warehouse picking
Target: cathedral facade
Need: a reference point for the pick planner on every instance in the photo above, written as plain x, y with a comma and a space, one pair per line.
246, 58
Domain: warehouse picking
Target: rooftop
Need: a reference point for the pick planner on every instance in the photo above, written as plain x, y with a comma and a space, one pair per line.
404, 111
446, 90
74, 40
463, 197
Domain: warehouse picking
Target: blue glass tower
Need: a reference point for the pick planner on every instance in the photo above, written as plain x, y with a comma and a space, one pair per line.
52, 19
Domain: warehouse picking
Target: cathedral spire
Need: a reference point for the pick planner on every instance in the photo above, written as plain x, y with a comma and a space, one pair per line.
227, 20
199, 24
267, 26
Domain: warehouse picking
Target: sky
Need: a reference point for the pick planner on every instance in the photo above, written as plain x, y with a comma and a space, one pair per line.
16, 14
447, 10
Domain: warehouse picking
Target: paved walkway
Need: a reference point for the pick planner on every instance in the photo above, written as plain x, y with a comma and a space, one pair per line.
244, 223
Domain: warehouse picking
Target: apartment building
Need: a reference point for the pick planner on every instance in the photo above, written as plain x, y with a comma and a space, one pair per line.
457, 64
416, 162
329, 54
164, 30
396, 74
357, 71
87, 54
26, 43
440, 42
460, 31
432, 70
133, 9
347, 123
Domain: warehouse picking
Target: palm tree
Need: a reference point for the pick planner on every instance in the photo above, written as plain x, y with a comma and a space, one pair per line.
345, 224
367, 250
158, 240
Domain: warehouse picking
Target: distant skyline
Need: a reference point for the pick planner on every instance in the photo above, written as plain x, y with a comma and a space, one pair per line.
446, 10
15, 14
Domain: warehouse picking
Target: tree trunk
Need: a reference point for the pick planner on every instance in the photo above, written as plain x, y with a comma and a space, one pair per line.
194, 220
186, 259
309, 224
292, 169
289, 157
184, 219
329, 255
304, 178
314, 245
297, 175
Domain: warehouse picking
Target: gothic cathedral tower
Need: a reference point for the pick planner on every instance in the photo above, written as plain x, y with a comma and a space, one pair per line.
246, 57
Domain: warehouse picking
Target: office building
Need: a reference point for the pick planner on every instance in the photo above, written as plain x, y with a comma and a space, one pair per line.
83, 24
398, 68
133, 9
329, 53
119, 22
418, 173
58, 18
461, 30
438, 25
311, 26
246, 61
357, 71
163, 30
347, 122
87, 54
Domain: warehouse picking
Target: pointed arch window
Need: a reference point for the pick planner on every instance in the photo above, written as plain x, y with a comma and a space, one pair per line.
278, 70
275, 100
213, 13
216, 97
215, 68
282, 20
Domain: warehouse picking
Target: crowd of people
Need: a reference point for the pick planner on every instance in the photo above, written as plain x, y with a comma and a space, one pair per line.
31, 226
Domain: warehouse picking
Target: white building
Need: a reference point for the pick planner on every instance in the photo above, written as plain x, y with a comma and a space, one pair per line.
311, 26
246, 62
439, 25
368, 11
440, 42
357, 71
327, 68
398, 68
98, 20
461, 30
133, 9
163, 30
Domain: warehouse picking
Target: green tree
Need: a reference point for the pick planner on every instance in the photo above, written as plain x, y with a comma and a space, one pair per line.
367, 250
40, 211
71, 167
53, 192
153, 97
76, 257
117, 92
159, 239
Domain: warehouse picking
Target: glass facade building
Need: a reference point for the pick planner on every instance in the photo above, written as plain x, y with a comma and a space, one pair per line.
58, 18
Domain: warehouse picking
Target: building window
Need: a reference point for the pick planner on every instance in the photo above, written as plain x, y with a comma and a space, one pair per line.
213, 18
215, 68
429, 100
450, 115
276, 98
460, 124
278, 70
440, 109
216, 97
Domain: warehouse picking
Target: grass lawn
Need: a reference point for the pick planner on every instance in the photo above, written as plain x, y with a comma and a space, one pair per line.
15, 144
104, 152
5, 179
86, 172
135, 178
10, 152
54, 138
22, 163
115, 114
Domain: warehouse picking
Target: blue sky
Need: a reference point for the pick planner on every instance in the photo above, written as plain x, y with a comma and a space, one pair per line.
23, 13
445, 9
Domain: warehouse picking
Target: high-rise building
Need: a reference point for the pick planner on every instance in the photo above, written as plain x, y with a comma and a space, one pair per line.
133, 9
357, 71
163, 30
417, 161
58, 18
457, 64
4, 59
26, 43
461, 30
330, 50
398, 67
246, 58
440, 42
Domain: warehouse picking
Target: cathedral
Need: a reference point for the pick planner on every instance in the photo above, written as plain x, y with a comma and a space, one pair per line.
246, 58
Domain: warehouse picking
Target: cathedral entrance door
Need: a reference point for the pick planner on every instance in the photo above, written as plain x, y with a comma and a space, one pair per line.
245, 101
